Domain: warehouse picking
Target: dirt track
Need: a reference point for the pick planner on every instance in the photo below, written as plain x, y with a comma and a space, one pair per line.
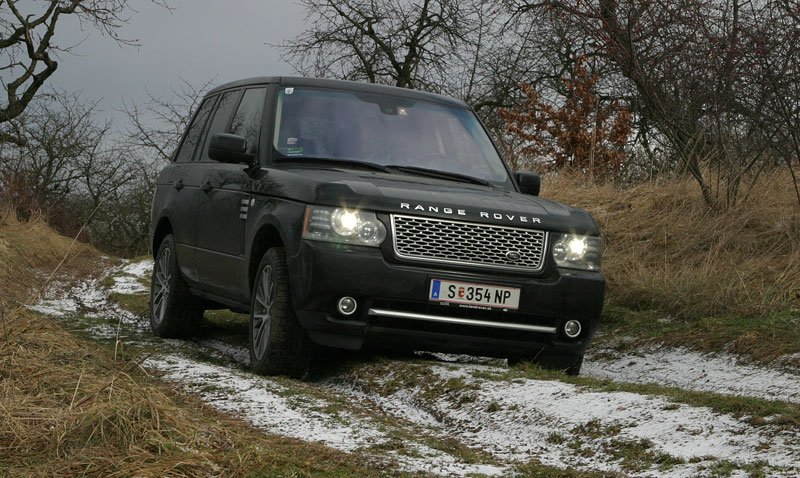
456, 415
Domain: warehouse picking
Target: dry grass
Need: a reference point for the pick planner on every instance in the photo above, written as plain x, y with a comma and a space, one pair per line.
32, 246
68, 407
666, 250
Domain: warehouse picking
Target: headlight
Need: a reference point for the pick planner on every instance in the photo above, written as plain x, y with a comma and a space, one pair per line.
577, 252
350, 226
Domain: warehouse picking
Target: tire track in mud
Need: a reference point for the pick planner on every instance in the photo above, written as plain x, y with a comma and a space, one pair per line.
457, 415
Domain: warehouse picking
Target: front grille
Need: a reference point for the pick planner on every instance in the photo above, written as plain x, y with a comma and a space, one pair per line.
465, 243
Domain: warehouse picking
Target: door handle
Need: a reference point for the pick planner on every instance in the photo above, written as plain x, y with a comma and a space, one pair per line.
178, 185
206, 187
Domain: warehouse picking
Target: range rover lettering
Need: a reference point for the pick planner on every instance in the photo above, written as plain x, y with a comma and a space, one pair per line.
341, 214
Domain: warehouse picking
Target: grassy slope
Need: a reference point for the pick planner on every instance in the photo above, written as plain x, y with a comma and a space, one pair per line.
69, 407
678, 273
681, 273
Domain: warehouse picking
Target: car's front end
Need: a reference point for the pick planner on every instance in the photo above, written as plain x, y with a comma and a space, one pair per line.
448, 284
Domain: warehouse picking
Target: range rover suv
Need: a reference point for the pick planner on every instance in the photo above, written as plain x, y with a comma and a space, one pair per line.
342, 214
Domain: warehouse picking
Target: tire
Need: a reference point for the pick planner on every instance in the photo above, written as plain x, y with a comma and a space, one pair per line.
278, 344
174, 311
572, 370
575, 369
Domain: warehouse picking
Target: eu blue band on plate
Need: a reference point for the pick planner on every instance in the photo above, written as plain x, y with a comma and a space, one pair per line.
436, 284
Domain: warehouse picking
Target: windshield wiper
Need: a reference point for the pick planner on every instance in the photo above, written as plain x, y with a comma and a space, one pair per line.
335, 162
435, 173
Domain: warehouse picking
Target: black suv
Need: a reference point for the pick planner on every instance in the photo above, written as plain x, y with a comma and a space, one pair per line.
342, 214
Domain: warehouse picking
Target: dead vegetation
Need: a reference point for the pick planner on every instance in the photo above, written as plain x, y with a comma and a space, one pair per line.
69, 407
666, 250
27, 247
682, 274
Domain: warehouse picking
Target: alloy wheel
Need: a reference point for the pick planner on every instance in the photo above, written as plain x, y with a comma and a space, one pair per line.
262, 312
161, 285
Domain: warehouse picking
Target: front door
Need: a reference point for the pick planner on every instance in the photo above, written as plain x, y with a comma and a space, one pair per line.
221, 224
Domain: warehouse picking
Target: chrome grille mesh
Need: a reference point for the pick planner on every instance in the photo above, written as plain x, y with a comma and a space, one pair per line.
454, 242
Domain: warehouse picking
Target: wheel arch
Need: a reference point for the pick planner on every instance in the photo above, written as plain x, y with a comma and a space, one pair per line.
163, 229
267, 237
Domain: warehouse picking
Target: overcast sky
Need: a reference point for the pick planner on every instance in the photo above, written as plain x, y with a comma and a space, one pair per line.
198, 41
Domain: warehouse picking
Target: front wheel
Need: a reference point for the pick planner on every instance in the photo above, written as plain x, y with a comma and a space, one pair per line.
174, 311
278, 344
573, 368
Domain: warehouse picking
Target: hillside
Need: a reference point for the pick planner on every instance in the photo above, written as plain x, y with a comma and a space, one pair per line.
681, 273
687, 378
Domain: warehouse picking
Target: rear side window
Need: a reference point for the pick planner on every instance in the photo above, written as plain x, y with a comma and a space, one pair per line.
227, 103
247, 120
195, 130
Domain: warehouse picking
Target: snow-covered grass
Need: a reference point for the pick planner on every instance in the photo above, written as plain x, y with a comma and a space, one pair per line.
129, 279
566, 425
452, 415
679, 367
273, 407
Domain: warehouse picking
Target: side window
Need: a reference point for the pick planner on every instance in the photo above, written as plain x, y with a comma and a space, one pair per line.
195, 130
247, 120
227, 103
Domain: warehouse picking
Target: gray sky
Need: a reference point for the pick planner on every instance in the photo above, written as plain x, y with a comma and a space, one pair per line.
198, 41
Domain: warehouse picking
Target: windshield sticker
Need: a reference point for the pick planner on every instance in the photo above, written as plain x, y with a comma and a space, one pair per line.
289, 91
291, 141
296, 151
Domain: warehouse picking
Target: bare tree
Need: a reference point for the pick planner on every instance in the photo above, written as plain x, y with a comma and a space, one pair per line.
695, 70
67, 152
74, 166
157, 125
28, 46
405, 44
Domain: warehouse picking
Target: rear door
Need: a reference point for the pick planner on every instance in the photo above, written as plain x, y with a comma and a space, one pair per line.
182, 189
222, 220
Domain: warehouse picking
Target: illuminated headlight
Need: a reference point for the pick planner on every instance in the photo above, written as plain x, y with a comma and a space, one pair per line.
577, 252
350, 226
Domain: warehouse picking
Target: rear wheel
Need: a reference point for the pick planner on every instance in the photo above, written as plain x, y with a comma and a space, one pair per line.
174, 311
278, 344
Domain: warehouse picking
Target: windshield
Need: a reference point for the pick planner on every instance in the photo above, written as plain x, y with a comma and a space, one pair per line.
384, 130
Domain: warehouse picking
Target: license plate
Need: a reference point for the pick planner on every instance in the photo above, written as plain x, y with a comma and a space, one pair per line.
468, 293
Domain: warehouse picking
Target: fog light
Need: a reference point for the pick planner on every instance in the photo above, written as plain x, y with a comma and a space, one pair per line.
572, 329
347, 306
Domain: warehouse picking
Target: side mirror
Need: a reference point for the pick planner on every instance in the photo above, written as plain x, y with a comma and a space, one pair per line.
228, 148
529, 183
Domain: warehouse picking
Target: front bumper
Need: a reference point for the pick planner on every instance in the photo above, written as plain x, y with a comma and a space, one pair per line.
393, 306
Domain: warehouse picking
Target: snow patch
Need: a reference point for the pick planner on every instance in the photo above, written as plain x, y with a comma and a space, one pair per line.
275, 409
690, 370
262, 402
126, 281
55, 307
517, 420
238, 354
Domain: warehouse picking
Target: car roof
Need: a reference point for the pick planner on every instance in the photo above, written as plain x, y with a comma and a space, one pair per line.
341, 85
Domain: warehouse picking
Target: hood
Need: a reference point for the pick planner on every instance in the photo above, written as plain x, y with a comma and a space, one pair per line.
423, 196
